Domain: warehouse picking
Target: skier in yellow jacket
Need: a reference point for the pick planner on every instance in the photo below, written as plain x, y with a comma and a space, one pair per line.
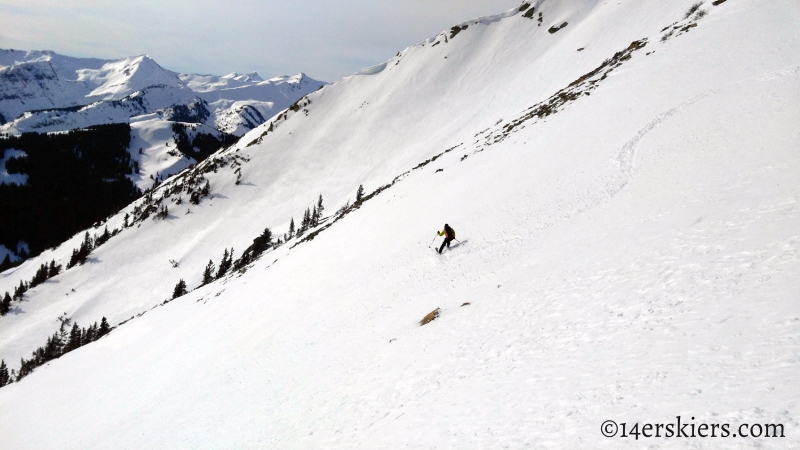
449, 234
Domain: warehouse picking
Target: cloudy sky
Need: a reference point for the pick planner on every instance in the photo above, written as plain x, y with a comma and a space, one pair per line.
327, 39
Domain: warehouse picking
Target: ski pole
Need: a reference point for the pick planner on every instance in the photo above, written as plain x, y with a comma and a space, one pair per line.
434, 238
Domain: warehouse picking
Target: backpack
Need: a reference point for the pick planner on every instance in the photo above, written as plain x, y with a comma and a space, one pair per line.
451, 233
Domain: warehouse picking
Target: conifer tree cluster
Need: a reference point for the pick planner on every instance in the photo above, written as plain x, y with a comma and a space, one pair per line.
90, 243
162, 213
180, 289
75, 179
44, 273
208, 273
199, 145
80, 254
196, 196
311, 218
47, 271
103, 238
260, 244
5, 305
225, 264
65, 340
5, 378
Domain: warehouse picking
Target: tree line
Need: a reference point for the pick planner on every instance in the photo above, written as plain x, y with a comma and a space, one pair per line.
63, 341
202, 145
47, 271
75, 179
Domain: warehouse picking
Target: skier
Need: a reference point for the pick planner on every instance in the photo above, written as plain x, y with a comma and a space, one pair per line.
449, 234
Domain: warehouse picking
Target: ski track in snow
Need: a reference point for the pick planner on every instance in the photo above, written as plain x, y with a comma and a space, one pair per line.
628, 151
627, 154
608, 278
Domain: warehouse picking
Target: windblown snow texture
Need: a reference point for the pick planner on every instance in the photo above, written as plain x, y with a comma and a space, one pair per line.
629, 251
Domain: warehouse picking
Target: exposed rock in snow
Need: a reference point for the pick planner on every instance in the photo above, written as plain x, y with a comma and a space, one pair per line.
629, 250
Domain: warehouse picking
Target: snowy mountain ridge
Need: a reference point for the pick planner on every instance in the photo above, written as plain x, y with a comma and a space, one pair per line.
626, 203
45, 91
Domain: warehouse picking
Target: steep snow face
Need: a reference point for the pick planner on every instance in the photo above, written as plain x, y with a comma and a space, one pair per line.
237, 118
627, 216
45, 80
241, 103
203, 83
154, 149
118, 79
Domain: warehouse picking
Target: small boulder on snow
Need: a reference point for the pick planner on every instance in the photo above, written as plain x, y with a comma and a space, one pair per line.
430, 317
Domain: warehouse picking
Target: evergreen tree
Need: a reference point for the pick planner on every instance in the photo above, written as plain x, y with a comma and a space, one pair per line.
87, 242
73, 259
74, 340
320, 208
52, 349
105, 328
225, 264
5, 305
262, 242
208, 273
79, 256
306, 222
54, 269
180, 289
103, 237
62, 336
90, 335
359, 193
162, 213
314, 217
19, 291
125, 221
65, 323
291, 228
4, 378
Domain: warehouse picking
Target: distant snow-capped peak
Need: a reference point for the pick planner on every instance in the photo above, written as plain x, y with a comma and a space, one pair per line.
44, 91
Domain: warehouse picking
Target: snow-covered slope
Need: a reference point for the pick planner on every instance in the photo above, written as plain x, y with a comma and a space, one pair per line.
37, 80
209, 83
153, 147
44, 91
242, 102
625, 193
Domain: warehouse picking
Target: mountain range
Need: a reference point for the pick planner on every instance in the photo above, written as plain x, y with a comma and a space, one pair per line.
622, 181
44, 91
